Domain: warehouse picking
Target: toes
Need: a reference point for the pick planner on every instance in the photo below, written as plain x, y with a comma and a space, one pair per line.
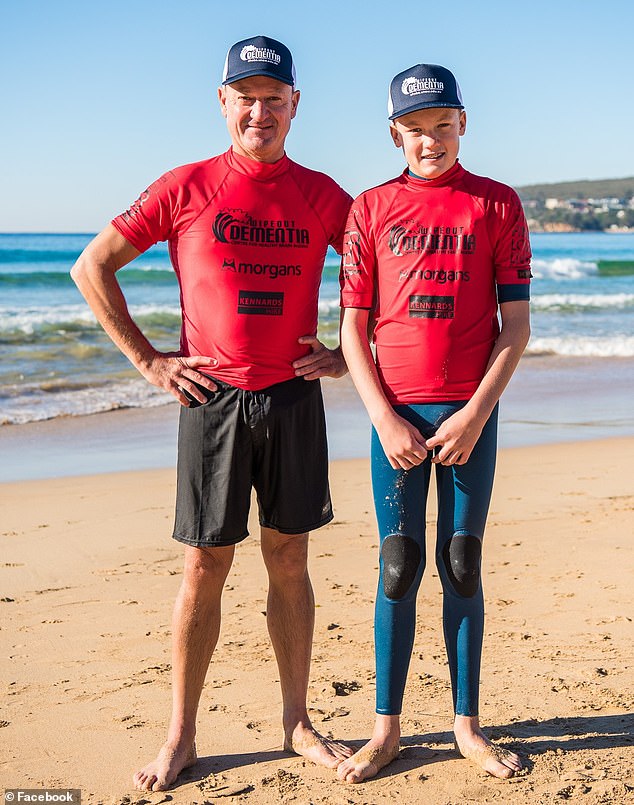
145, 782
343, 770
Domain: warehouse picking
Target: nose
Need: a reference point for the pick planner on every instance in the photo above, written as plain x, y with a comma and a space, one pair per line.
259, 110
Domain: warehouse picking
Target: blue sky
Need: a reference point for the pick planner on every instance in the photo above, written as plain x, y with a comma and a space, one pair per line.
98, 99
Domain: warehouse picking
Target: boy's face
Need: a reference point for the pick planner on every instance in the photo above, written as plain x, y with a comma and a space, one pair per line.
430, 139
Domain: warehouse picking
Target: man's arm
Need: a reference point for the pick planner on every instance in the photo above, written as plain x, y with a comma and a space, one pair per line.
94, 274
403, 444
456, 437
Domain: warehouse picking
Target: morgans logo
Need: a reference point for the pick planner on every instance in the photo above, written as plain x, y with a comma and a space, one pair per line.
417, 86
250, 53
270, 270
239, 227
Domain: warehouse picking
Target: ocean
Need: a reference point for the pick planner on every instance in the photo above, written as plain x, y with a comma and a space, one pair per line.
58, 369
55, 360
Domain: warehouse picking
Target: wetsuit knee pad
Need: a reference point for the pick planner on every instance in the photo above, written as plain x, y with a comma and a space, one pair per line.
401, 559
461, 556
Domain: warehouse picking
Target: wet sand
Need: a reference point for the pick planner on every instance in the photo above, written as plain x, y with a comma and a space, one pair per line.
549, 400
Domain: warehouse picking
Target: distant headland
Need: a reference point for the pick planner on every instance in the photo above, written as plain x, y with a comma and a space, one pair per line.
600, 205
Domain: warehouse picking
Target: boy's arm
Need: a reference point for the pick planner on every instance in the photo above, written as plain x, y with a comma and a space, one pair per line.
457, 435
94, 274
403, 444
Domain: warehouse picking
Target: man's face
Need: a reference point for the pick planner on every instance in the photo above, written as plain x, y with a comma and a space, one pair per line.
259, 111
430, 139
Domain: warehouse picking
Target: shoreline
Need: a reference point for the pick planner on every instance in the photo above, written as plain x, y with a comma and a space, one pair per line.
549, 400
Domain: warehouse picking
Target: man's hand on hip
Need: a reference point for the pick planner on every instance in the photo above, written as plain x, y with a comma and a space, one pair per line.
179, 375
320, 362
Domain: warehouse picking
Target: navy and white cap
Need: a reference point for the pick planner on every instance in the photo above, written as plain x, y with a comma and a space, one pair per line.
259, 55
423, 86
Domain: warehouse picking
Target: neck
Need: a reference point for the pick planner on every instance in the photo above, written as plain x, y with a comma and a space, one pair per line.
258, 156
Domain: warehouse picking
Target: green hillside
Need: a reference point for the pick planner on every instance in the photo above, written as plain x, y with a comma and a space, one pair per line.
598, 188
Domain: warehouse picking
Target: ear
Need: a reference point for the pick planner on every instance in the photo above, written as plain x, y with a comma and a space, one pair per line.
294, 103
463, 123
396, 136
222, 98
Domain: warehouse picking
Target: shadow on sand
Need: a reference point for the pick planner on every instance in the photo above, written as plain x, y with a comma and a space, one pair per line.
531, 737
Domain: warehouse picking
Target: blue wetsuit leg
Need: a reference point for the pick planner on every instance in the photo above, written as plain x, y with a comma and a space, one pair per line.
399, 499
400, 502
464, 494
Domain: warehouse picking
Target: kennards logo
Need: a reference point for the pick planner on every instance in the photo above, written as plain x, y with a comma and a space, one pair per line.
261, 303
431, 307
239, 227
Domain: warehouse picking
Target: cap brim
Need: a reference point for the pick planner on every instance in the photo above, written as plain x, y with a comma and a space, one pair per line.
258, 71
425, 105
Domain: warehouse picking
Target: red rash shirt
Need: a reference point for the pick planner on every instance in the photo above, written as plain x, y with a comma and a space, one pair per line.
432, 258
247, 240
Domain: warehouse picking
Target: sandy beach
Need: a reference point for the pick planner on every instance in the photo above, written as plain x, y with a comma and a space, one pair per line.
89, 574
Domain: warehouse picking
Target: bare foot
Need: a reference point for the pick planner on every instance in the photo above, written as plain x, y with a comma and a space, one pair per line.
306, 741
162, 772
368, 761
494, 759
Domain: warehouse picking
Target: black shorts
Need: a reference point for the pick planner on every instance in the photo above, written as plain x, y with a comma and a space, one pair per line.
273, 440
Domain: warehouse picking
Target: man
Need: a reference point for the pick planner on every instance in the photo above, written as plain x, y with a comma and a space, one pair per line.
248, 232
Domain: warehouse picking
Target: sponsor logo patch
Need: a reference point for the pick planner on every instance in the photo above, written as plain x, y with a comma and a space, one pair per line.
135, 207
418, 86
239, 227
261, 303
270, 270
431, 307
439, 275
351, 249
250, 53
520, 245
411, 237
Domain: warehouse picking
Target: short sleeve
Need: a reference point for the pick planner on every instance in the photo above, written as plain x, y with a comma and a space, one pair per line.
150, 218
512, 252
340, 212
358, 264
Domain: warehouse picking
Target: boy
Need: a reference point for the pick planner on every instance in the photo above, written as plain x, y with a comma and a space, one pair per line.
432, 257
